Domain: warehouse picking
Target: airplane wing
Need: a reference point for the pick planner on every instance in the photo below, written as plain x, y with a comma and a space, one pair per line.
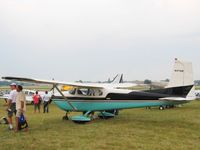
53, 82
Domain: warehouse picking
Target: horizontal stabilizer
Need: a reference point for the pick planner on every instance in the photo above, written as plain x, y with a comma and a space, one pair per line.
176, 99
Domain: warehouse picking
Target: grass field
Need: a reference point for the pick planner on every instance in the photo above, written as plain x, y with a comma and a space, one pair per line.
197, 88
172, 129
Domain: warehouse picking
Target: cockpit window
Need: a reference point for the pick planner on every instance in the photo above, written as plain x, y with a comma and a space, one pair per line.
89, 92
100, 93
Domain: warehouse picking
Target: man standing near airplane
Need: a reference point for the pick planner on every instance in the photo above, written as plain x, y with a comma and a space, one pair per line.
12, 104
21, 109
46, 99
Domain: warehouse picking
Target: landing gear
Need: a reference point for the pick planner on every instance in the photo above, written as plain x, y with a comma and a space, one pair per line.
161, 107
82, 119
166, 107
114, 111
66, 116
106, 115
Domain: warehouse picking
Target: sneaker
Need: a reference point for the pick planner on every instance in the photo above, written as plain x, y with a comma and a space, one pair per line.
9, 128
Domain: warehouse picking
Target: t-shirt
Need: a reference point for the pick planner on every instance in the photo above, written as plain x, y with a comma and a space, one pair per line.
36, 98
12, 96
46, 98
20, 98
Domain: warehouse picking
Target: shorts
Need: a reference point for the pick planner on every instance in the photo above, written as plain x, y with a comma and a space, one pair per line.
37, 106
18, 114
12, 110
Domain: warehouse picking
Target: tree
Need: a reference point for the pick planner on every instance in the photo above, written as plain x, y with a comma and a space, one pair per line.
147, 81
166, 80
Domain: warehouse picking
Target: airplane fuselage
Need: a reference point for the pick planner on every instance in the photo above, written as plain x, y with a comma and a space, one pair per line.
120, 99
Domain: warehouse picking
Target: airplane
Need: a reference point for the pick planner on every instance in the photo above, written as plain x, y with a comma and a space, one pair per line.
117, 79
89, 97
197, 93
1, 93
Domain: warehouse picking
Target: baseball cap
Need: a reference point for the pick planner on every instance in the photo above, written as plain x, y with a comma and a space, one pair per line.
13, 84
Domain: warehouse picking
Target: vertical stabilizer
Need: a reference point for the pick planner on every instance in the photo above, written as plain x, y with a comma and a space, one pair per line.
182, 74
117, 79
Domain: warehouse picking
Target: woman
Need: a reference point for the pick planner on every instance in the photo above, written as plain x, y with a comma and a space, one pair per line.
37, 101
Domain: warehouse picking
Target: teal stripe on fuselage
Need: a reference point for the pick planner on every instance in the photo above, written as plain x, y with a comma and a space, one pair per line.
100, 105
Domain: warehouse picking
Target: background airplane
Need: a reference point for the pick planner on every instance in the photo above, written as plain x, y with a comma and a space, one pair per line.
197, 93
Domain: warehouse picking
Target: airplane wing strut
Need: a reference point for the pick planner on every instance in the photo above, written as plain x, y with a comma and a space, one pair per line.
55, 86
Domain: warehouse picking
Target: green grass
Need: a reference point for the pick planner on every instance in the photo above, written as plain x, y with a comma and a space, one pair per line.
172, 129
197, 87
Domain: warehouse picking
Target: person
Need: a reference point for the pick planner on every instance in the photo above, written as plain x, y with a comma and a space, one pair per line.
12, 104
37, 101
46, 99
20, 106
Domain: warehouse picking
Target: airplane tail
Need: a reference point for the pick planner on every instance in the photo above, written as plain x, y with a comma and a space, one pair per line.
182, 75
117, 79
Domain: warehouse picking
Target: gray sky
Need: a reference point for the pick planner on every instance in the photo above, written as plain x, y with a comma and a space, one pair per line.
96, 39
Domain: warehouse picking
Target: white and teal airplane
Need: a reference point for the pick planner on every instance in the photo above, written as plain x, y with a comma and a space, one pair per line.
103, 98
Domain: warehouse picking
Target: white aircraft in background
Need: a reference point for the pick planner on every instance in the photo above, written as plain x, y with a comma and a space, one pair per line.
28, 93
197, 93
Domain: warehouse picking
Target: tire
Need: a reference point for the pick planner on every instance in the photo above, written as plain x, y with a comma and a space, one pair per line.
161, 108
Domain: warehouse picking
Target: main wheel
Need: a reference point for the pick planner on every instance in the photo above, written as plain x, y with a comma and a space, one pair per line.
65, 118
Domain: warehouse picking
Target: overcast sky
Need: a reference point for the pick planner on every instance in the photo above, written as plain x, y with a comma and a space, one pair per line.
96, 39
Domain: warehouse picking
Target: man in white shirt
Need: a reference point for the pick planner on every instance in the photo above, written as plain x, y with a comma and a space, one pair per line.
12, 104
20, 105
46, 99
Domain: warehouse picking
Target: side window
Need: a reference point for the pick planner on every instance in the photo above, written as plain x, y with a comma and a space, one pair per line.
90, 92
82, 92
100, 92
72, 91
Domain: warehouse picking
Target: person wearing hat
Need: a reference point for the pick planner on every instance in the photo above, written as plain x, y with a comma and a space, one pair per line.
12, 104
20, 107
